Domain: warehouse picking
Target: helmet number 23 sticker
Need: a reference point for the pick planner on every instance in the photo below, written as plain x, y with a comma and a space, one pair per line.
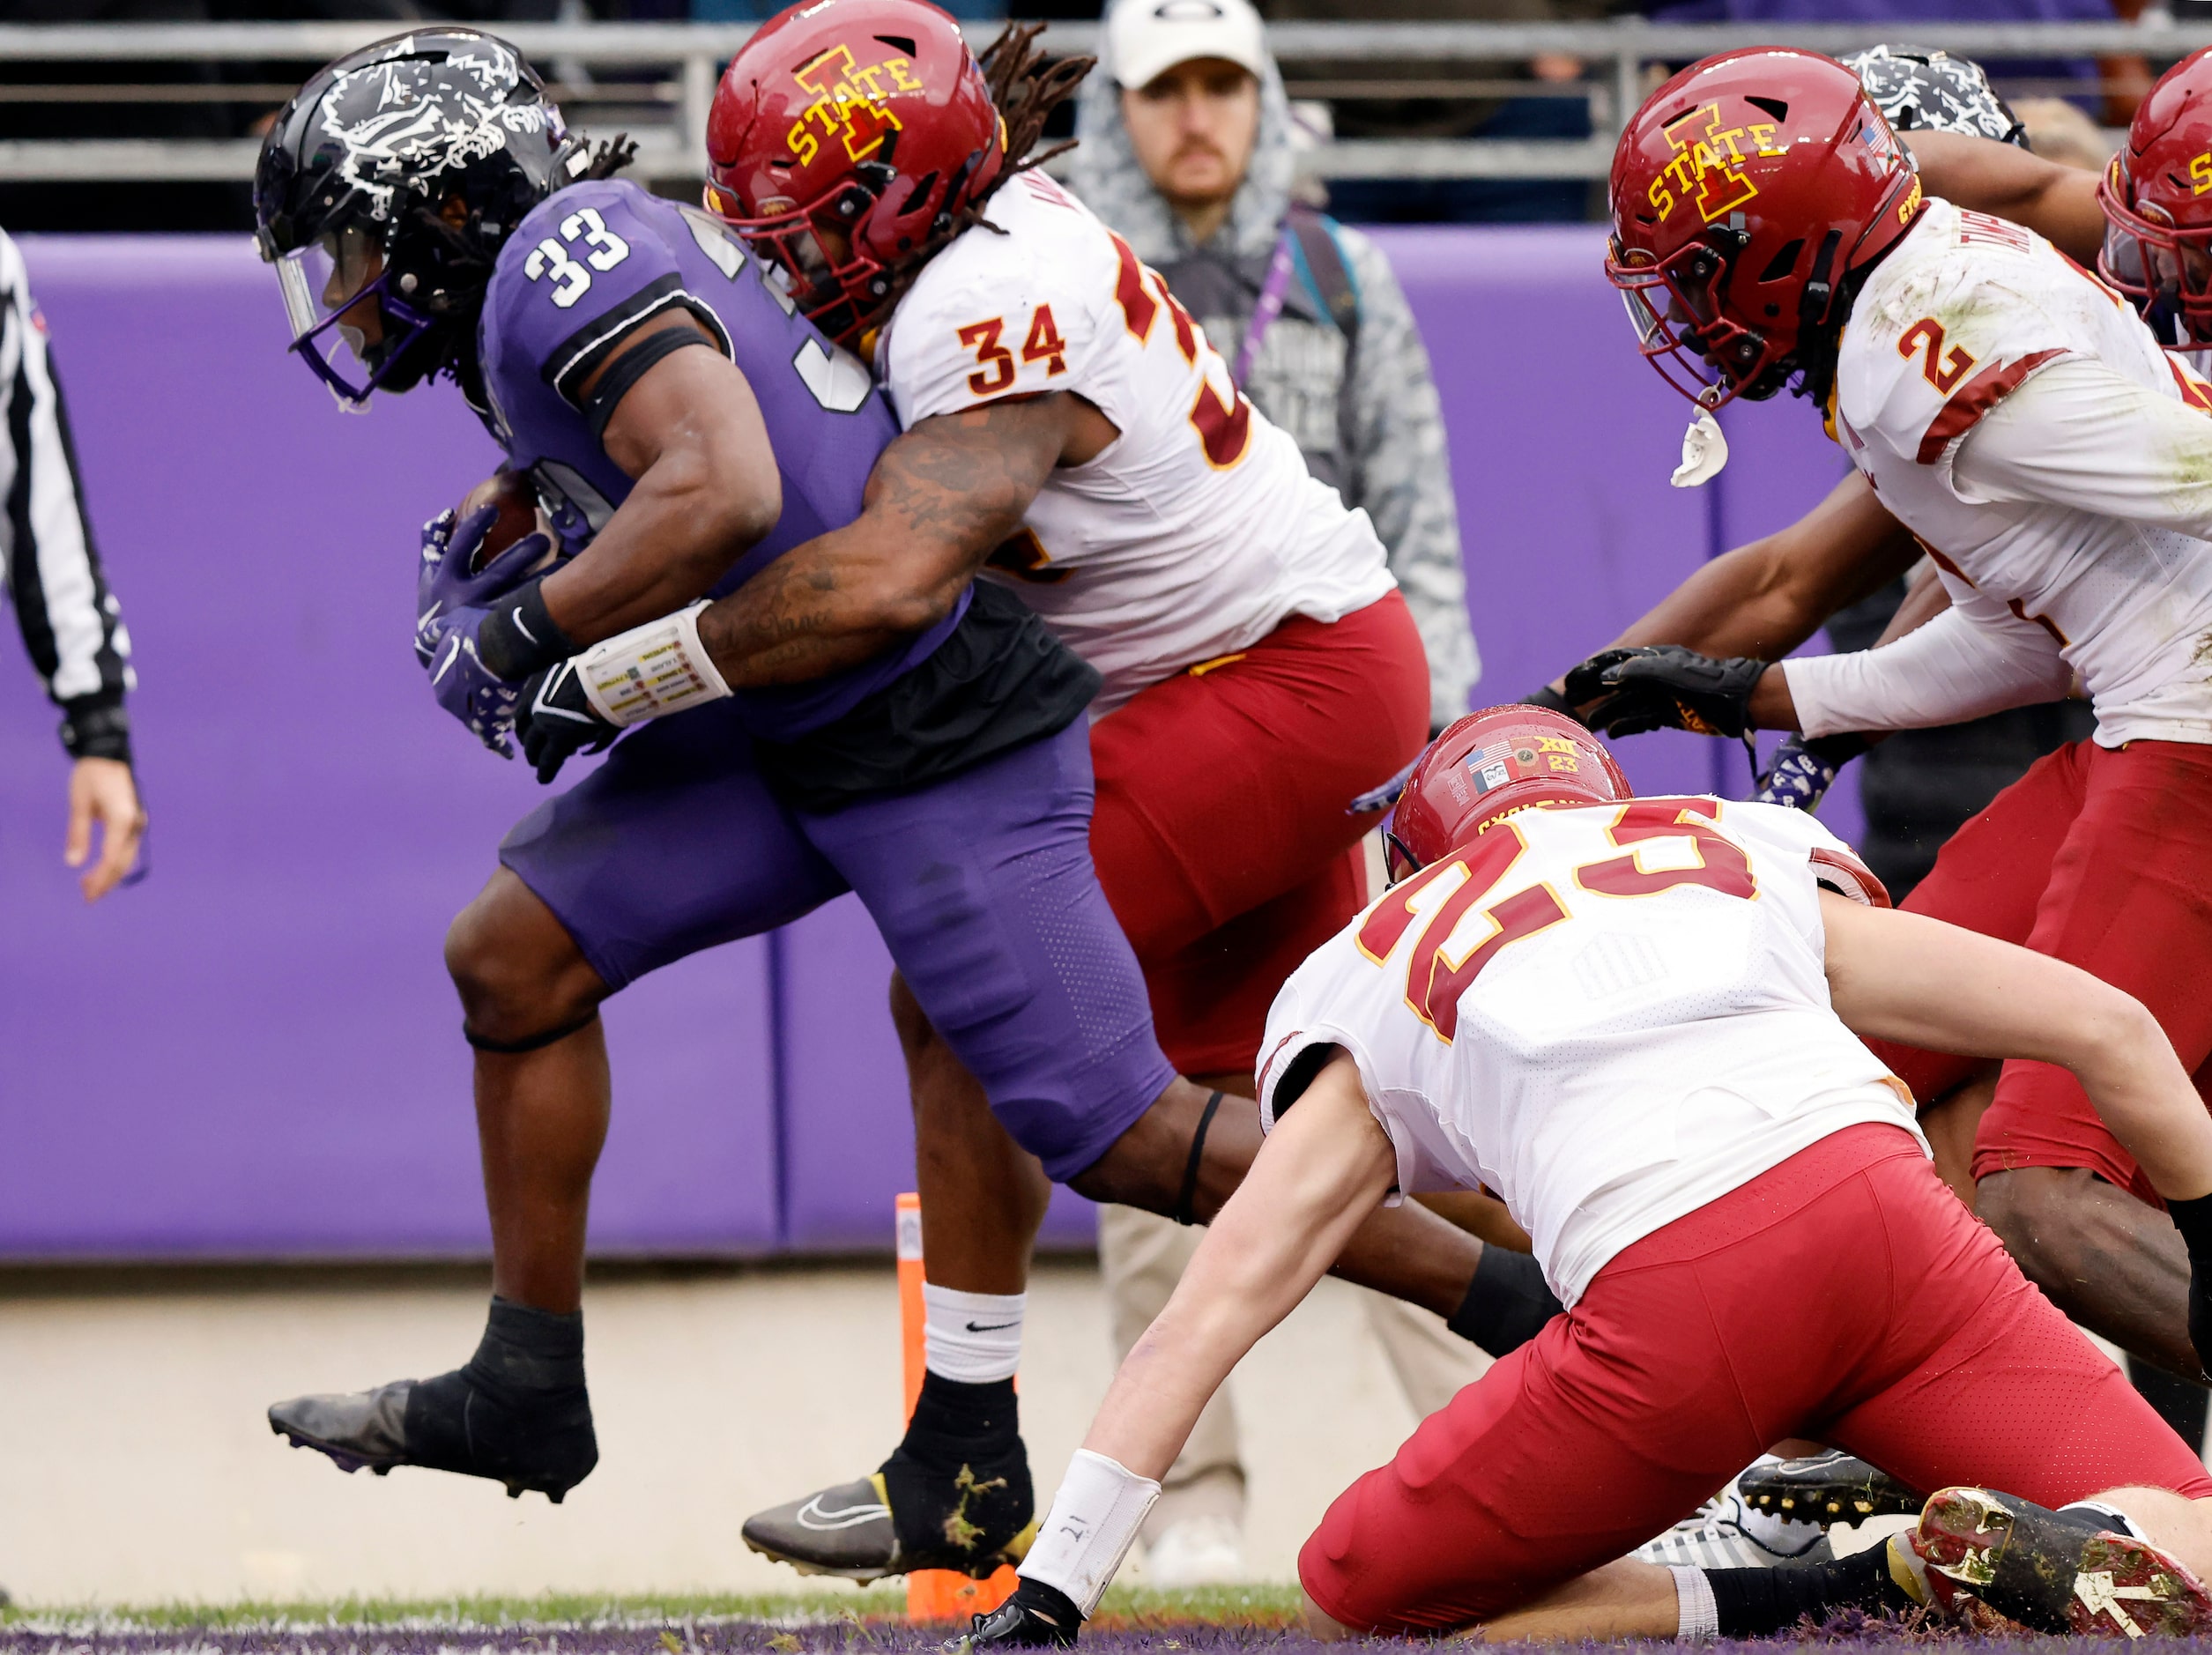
602, 249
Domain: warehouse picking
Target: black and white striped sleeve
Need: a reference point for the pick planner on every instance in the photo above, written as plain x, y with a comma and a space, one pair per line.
71, 621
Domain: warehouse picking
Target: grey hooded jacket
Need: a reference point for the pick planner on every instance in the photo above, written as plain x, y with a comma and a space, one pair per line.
1382, 441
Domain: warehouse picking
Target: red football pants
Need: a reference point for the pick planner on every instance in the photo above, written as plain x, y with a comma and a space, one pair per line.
1223, 834
1845, 1295
2102, 857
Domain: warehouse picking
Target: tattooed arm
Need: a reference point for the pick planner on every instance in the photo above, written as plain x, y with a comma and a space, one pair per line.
941, 499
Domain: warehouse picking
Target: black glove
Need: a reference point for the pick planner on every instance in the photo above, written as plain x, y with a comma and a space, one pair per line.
1665, 687
555, 720
1549, 699
2193, 1219
1037, 1616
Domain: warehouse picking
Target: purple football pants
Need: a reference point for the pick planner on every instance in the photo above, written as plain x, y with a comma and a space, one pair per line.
981, 885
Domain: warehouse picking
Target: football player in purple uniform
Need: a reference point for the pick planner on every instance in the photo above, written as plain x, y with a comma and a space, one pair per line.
685, 429
427, 212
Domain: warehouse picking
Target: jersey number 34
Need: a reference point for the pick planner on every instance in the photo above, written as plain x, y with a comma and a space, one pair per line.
1435, 979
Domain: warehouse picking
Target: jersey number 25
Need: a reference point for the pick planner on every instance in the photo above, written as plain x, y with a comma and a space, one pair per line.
1434, 980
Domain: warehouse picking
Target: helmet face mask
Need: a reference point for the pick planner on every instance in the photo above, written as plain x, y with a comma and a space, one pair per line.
2157, 197
347, 324
2164, 270
814, 248
1678, 308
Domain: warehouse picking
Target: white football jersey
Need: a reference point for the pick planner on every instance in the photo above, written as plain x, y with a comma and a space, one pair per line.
1948, 327
1199, 530
1610, 1015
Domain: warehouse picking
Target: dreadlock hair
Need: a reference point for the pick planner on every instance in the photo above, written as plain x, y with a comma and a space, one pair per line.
1026, 85
472, 257
610, 158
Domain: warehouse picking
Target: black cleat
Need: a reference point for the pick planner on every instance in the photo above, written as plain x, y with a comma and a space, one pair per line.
845, 1531
1037, 1616
450, 1423
851, 1532
1825, 1488
955, 1494
2058, 1572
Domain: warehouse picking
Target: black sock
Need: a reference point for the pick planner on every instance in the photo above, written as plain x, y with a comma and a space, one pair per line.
959, 1484
516, 1410
1507, 1302
954, 1418
1760, 1602
526, 1351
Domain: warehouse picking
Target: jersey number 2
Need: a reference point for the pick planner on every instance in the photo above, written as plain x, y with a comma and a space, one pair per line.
1927, 336
1434, 980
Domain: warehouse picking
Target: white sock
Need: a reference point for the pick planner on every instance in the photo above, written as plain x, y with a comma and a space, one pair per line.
975, 1337
1696, 1613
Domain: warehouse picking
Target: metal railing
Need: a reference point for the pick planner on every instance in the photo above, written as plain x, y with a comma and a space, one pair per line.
657, 80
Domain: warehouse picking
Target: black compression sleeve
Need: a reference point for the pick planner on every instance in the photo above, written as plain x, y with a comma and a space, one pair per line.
519, 637
1507, 1302
2193, 1219
1761, 1602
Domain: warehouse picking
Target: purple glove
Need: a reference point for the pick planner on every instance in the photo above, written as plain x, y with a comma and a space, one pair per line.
1803, 771
450, 606
462, 684
444, 583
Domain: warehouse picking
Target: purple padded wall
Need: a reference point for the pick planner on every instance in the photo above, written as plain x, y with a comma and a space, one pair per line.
255, 1053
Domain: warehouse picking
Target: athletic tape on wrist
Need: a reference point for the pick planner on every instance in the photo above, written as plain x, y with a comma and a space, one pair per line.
1092, 1524
650, 671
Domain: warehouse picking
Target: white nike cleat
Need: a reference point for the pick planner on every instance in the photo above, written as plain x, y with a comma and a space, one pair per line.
1726, 1534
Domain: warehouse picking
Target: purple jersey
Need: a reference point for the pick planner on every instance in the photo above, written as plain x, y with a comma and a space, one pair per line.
591, 264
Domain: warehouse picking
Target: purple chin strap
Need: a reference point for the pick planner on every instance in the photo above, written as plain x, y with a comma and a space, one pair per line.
393, 310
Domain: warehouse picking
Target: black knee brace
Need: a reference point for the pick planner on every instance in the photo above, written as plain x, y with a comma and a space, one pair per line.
528, 1042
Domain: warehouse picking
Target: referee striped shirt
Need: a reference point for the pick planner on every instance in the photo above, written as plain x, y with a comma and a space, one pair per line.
71, 621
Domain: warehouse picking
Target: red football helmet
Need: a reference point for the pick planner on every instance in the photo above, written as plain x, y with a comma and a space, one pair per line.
843, 137
1743, 192
2156, 194
1489, 765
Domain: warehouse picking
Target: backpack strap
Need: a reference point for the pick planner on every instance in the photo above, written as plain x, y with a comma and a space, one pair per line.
1332, 279
1324, 264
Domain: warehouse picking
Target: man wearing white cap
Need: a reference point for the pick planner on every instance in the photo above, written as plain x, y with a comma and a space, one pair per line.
1187, 152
